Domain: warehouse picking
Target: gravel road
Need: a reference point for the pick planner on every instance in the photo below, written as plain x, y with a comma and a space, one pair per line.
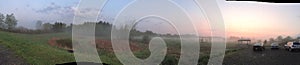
7, 57
267, 57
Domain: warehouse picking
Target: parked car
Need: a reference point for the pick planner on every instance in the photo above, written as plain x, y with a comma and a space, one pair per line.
291, 46
274, 46
258, 47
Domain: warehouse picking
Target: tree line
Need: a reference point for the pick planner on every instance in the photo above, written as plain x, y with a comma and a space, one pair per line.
55, 27
283, 40
103, 28
9, 23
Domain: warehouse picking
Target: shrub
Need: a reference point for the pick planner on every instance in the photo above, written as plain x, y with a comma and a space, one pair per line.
203, 59
169, 60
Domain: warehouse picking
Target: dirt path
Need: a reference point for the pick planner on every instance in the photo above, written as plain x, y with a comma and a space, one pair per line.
7, 57
267, 57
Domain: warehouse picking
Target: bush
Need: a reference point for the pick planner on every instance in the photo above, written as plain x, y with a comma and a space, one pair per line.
169, 60
203, 59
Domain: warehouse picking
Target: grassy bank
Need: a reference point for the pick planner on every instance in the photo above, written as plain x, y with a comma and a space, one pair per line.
33, 48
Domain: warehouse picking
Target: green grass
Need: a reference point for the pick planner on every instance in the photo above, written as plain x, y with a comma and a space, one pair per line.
109, 58
33, 48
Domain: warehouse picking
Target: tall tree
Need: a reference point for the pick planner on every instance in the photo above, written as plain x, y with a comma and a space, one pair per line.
265, 41
146, 39
298, 38
279, 38
39, 24
47, 26
271, 40
2, 17
288, 38
149, 32
59, 26
11, 21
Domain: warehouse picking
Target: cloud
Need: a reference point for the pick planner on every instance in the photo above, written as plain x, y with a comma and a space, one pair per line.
86, 12
49, 9
52, 3
57, 10
67, 11
27, 5
54, 12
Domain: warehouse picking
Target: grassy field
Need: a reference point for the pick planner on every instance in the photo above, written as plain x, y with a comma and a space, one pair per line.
34, 49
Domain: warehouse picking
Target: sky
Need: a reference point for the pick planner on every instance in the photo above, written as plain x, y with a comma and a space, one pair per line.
264, 20
28, 12
242, 19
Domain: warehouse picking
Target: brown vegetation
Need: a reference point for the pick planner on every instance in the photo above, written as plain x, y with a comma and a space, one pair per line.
100, 44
